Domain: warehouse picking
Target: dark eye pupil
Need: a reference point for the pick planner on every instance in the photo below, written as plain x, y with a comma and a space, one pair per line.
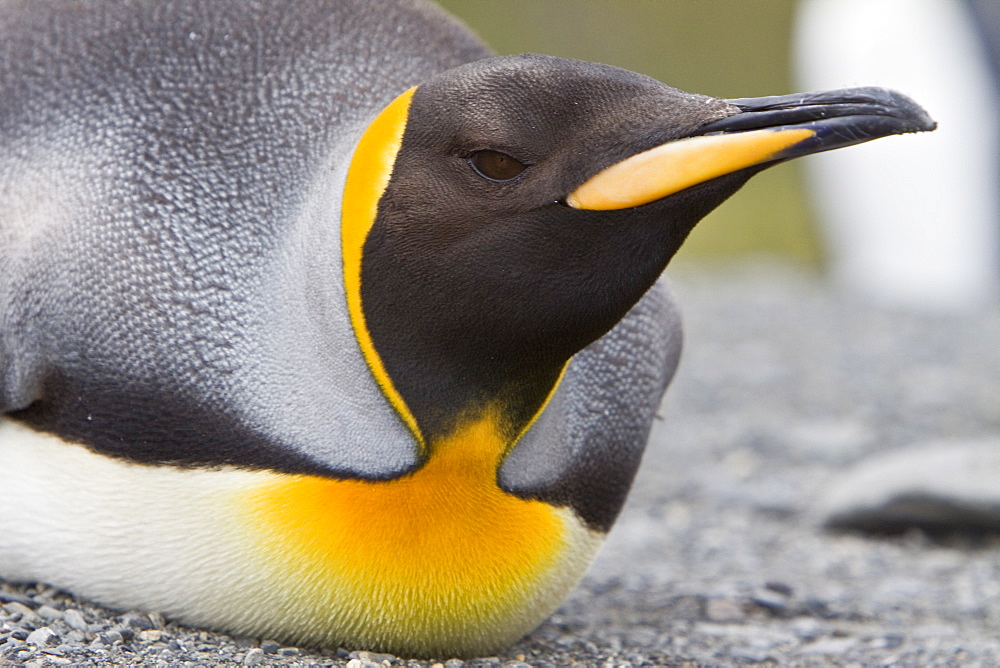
496, 165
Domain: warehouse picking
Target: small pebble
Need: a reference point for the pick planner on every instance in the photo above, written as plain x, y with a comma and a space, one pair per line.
151, 635
270, 647
831, 646
75, 636
26, 613
25, 654
779, 588
11, 646
774, 603
42, 637
751, 655
111, 637
254, 657
378, 657
49, 613
886, 642
137, 621
724, 610
807, 628
371, 657
74, 619
289, 651
11, 598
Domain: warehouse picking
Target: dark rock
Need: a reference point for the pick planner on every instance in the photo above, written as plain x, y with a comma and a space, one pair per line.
939, 486
779, 588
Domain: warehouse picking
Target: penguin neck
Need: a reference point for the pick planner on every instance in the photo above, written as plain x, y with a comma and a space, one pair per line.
456, 346
449, 396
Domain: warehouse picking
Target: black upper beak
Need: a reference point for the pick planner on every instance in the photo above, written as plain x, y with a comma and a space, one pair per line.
839, 117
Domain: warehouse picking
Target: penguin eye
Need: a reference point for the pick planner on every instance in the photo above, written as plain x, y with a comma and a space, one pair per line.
495, 165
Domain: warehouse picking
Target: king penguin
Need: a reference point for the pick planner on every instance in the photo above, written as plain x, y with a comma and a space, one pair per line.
320, 322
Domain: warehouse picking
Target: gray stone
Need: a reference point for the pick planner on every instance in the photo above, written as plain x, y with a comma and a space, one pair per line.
254, 657
137, 621
828, 646
111, 637
11, 646
75, 636
270, 646
724, 610
751, 655
15, 608
371, 657
74, 619
26, 654
937, 485
49, 613
774, 603
42, 636
9, 597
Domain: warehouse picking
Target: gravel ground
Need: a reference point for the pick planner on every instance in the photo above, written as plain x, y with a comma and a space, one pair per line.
719, 557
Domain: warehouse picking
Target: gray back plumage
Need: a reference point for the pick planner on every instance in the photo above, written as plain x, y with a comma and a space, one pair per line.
170, 275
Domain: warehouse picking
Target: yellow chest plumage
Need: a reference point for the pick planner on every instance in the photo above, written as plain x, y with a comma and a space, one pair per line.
442, 555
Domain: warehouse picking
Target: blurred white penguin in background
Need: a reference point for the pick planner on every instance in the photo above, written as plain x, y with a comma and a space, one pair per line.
911, 224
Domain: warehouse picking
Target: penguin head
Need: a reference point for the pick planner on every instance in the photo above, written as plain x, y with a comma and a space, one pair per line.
506, 213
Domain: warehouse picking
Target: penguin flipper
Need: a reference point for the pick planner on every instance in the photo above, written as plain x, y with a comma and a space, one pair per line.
584, 449
19, 381
21, 365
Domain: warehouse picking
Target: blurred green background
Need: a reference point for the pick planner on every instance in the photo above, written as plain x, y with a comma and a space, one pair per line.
723, 48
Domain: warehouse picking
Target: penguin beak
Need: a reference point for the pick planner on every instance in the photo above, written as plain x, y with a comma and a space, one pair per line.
765, 131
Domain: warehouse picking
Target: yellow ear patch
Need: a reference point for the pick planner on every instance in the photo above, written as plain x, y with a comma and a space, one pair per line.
367, 178
674, 166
